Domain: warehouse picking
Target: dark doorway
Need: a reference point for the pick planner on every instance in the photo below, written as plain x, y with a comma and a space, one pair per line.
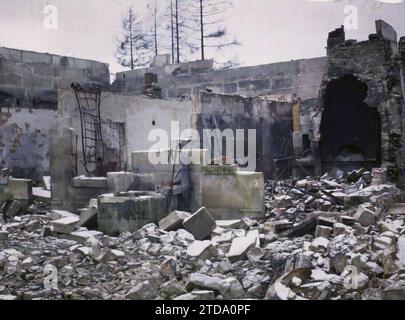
350, 129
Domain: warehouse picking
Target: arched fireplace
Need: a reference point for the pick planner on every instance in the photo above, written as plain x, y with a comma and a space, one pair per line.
350, 129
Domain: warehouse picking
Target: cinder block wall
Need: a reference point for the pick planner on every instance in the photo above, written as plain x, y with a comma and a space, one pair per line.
300, 77
29, 83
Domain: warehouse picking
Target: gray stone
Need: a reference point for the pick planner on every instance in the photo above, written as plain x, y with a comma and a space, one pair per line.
88, 217
173, 288
59, 214
129, 211
241, 246
47, 182
200, 224
401, 250
202, 250
65, 225
386, 31
89, 182
142, 291
394, 292
322, 231
21, 189
319, 244
173, 221
228, 224
365, 216
7, 297
81, 236
229, 288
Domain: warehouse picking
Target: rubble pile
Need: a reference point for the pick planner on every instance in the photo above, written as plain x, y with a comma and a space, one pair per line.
321, 238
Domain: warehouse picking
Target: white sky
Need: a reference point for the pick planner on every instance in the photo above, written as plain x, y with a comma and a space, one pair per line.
269, 30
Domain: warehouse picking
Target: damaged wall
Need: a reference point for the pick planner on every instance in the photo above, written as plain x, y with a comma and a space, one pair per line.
137, 115
371, 65
24, 141
300, 77
29, 82
270, 116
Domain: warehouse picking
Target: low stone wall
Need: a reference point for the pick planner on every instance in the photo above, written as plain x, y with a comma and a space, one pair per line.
29, 84
300, 77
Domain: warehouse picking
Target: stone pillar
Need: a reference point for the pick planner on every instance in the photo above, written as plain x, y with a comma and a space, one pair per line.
62, 165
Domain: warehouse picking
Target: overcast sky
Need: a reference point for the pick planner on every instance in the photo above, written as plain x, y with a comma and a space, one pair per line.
269, 30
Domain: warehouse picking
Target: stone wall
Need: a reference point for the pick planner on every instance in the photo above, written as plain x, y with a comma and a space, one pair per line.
29, 82
138, 116
300, 77
270, 116
31, 79
374, 64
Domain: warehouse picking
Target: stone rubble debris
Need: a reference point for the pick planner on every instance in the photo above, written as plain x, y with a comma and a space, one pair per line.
321, 238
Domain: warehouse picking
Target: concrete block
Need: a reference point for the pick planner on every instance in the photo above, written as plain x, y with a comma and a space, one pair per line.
21, 189
283, 83
254, 85
4, 175
81, 236
230, 88
38, 81
129, 211
379, 176
241, 246
319, 244
88, 217
365, 215
234, 196
65, 225
11, 79
173, 221
89, 182
322, 231
59, 214
35, 57
229, 224
12, 54
47, 182
200, 224
386, 31
41, 194
202, 250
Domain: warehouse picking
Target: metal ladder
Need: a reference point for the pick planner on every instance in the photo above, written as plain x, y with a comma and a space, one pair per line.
88, 101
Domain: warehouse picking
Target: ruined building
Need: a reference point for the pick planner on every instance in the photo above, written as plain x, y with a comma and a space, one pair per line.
341, 114
61, 117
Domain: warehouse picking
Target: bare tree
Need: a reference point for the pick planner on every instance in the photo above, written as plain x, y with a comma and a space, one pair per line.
133, 49
207, 19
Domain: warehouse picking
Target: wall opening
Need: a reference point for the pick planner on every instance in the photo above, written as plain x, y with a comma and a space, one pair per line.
350, 129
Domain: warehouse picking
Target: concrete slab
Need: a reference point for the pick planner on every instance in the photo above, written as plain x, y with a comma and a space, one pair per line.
129, 211
65, 225
200, 224
21, 189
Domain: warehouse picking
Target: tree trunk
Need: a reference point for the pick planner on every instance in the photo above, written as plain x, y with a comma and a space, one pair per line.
177, 31
202, 30
131, 44
172, 29
156, 40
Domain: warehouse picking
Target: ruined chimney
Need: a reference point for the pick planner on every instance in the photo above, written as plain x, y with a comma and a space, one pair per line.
335, 38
